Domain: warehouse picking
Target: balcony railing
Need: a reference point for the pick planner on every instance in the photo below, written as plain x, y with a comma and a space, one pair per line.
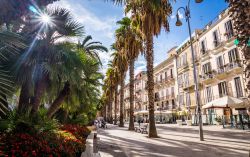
203, 51
207, 76
228, 67
216, 43
229, 34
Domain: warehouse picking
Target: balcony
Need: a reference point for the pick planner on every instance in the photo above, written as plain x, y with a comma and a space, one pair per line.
188, 85
229, 34
218, 47
183, 66
137, 99
229, 69
166, 108
203, 52
126, 96
208, 78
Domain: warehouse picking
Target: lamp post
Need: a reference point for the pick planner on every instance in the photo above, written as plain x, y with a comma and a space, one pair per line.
179, 23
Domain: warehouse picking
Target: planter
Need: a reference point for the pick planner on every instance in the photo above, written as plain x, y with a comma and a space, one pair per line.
179, 122
189, 122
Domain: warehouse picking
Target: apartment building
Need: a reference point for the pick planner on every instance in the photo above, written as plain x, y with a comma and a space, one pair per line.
220, 65
166, 90
219, 71
185, 70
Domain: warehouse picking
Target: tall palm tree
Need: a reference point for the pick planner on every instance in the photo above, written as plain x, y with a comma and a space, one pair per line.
133, 46
151, 16
121, 65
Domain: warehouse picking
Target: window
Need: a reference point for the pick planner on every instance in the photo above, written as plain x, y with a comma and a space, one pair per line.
166, 75
173, 104
207, 68
181, 100
203, 47
220, 64
180, 81
222, 89
238, 87
161, 78
184, 58
188, 101
167, 105
216, 38
229, 29
185, 79
209, 96
171, 73
157, 96
233, 55
167, 94
179, 62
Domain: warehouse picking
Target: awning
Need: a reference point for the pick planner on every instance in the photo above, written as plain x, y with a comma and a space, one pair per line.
163, 112
141, 112
224, 102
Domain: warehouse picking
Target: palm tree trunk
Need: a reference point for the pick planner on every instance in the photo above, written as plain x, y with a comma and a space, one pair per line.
150, 83
121, 103
39, 91
65, 115
24, 99
110, 108
59, 100
116, 105
131, 92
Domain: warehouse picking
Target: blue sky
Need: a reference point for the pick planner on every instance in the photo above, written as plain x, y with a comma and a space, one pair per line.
99, 18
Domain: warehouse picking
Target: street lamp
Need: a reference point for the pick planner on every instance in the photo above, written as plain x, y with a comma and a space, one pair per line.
179, 23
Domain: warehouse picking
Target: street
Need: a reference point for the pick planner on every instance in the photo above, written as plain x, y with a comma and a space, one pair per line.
174, 141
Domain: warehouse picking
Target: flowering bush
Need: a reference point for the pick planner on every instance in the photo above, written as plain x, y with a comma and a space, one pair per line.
81, 132
69, 141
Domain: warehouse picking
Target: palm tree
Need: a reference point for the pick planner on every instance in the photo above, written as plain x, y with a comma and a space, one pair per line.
151, 16
32, 62
239, 11
80, 79
133, 46
92, 48
10, 45
121, 65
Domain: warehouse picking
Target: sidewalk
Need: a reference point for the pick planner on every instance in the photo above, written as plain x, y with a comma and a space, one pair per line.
174, 141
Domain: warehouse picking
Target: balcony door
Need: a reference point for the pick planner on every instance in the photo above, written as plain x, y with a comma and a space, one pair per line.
220, 64
229, 29
238, 87
223, 90
233, 56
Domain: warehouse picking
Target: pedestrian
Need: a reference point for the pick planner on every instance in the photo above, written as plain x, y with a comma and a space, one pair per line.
139, 122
